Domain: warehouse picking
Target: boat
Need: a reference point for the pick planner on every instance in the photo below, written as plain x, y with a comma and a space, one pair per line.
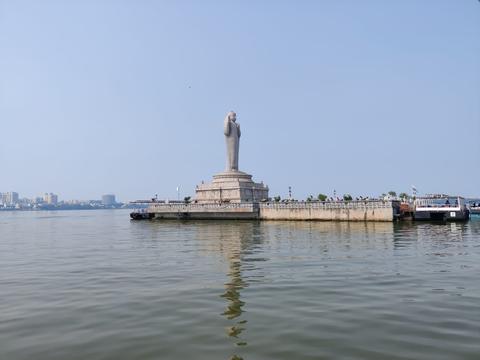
474, 207
141, 215
475, 210
441, 208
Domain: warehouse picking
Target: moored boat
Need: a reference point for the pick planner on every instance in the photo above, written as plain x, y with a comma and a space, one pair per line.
475, 210
441, 208
141, 215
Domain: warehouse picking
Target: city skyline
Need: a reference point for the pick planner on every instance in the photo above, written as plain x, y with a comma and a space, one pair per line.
13, 197
360, 98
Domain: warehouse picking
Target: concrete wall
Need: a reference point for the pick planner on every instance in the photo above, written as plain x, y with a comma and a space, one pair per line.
342, 211
204, 211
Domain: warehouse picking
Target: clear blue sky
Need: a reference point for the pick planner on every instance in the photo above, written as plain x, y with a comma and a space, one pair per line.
129, 96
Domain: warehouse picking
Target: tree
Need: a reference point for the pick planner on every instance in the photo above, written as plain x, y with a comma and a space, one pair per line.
277, 198
403, 196
322, 197
347, 197
186, 199
392, 193
310, 198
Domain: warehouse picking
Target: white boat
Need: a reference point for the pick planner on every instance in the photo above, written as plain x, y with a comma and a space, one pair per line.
474, 207
441, 208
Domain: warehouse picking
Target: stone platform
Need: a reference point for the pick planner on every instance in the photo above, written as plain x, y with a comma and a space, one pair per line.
373, 210
231, 186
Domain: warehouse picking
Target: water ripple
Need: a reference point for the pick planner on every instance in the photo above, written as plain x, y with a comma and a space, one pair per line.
94, 285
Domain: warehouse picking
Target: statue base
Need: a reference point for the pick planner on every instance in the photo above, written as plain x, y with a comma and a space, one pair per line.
231, 186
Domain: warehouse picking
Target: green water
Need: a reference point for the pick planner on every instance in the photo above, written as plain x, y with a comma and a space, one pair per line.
95, 285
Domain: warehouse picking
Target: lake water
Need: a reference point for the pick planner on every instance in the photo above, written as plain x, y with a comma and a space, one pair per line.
95, 285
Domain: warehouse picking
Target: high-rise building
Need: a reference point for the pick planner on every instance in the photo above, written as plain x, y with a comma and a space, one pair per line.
9, 198
50, 198
14, 197
108, 200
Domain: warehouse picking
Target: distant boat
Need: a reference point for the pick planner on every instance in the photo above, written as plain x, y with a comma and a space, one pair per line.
475, 209
441, 208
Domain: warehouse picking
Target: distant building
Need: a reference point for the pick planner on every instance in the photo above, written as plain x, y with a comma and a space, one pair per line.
108, 200
9, 198
13, 197
51, 199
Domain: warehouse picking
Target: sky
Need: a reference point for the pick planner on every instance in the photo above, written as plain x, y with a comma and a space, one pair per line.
129, 97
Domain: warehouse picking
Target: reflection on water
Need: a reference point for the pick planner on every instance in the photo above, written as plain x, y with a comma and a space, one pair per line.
439, 237
236, 241
234, 306
235, 283
240, 243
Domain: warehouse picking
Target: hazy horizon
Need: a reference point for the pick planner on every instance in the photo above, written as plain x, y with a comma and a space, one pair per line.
129, 98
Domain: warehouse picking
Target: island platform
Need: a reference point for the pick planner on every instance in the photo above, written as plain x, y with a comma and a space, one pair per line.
234, 195
370, 210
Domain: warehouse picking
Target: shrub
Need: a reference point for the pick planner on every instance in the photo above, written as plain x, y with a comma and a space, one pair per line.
322, 197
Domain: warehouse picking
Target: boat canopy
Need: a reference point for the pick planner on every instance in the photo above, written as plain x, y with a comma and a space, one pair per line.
443, 201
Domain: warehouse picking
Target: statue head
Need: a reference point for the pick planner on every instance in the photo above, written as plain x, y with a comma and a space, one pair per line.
232, 116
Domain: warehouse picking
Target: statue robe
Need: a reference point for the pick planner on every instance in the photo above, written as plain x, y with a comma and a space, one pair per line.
232, 138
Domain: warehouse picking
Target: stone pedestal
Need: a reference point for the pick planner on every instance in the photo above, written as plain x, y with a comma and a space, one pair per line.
231, 186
